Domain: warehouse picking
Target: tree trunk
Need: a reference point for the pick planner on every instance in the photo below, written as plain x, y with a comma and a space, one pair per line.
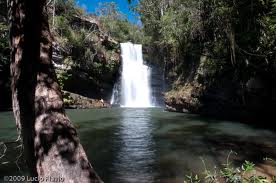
52, 147
232, 45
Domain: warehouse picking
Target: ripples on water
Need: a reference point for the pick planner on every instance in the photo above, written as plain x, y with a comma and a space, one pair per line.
135, 147
151, 145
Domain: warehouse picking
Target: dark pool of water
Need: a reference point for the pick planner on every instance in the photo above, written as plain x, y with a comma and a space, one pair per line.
151, 145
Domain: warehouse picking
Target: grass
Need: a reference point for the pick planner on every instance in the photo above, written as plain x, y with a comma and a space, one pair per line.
246, 173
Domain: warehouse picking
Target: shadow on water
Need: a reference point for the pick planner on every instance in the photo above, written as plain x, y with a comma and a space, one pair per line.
181, 140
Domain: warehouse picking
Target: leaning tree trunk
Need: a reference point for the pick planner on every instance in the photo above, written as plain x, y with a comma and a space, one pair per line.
52, 147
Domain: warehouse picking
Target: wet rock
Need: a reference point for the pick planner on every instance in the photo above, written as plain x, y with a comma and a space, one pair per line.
75, 101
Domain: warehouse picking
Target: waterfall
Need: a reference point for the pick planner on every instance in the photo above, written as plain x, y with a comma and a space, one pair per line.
115, 94
135, 80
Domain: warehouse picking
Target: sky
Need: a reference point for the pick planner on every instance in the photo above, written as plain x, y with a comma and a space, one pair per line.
91, 5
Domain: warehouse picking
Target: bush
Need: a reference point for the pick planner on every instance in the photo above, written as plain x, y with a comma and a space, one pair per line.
230, 174
62, 76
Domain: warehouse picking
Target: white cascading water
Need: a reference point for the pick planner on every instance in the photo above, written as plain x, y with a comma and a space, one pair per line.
135, 83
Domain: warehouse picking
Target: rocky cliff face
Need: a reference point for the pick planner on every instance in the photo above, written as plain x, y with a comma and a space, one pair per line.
86, 59
93, 66
220, 93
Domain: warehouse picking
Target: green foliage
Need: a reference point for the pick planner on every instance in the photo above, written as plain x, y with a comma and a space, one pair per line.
62, 74
4, 52
208, 175
244, 174
76, 38
247, 166
67, 99
109, 10
67, 8
116, 24
273, 12
239, 33
150, 17
176, 25
192, 179
62, 25
87, 48
4, 34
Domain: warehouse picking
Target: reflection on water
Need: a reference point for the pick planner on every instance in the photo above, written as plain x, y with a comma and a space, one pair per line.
135, 154
153, 146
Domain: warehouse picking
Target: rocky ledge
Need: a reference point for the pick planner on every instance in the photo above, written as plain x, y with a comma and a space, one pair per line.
182, 100
75, 101
227, 101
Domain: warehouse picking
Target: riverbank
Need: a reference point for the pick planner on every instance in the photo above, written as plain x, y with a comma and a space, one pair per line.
76, 101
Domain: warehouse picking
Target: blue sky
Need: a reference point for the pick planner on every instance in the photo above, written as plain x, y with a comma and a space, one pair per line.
91, 6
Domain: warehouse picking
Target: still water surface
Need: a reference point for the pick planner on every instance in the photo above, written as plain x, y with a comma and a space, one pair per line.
151, 145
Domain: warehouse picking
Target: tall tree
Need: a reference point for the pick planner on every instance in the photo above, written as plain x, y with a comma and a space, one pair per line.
52, 147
